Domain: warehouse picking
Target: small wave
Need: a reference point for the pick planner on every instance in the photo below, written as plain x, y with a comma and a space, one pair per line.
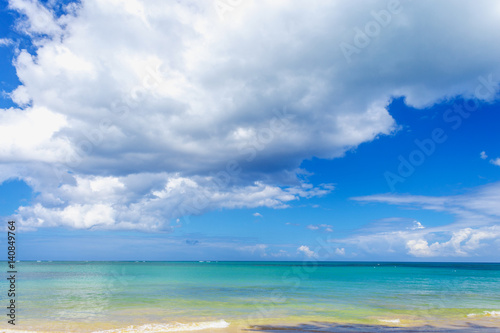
172, 327
492, 313
486, 314
392, 321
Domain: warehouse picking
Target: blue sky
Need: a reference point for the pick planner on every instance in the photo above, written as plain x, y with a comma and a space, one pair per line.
256, 131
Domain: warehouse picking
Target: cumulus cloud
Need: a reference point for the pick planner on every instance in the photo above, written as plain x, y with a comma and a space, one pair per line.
257, 214
180, 112
145, 201
496, 161
39, 20
462, 243
417, 225
443, 242
306, 251
29, 135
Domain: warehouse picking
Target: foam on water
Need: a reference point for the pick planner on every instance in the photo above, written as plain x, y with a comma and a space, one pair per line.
171, 327
392, 321
485, 313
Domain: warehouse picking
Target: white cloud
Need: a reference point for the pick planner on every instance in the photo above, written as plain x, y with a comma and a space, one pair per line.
417, 225
326, 227
340, 251
393, 223
478, 207
475, 229
144, 201
320, 227
462, 243
29, 135
257, 248
306, 251
449, 241
280, 254
40, 20
495, 161
179, 96
418, 248
6, 42
257, 214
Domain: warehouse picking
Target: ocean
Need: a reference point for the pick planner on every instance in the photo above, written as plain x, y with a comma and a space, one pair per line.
254, 296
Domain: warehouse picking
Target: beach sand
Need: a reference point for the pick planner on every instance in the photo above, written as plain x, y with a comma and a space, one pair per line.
484, 324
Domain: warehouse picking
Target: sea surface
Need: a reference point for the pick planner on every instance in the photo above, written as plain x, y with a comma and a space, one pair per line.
254, 296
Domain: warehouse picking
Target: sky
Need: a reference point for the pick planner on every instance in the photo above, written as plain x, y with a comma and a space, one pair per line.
251, 129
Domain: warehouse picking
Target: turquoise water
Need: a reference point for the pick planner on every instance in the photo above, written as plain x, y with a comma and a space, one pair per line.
86, 296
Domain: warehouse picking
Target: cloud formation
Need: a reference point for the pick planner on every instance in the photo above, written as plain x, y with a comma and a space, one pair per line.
146, 201
306, 251
463, 242
5, 42
320, 227
131, 114
477, 225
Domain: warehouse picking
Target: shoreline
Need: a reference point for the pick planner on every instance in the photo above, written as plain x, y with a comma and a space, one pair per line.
247, 297
478, 324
